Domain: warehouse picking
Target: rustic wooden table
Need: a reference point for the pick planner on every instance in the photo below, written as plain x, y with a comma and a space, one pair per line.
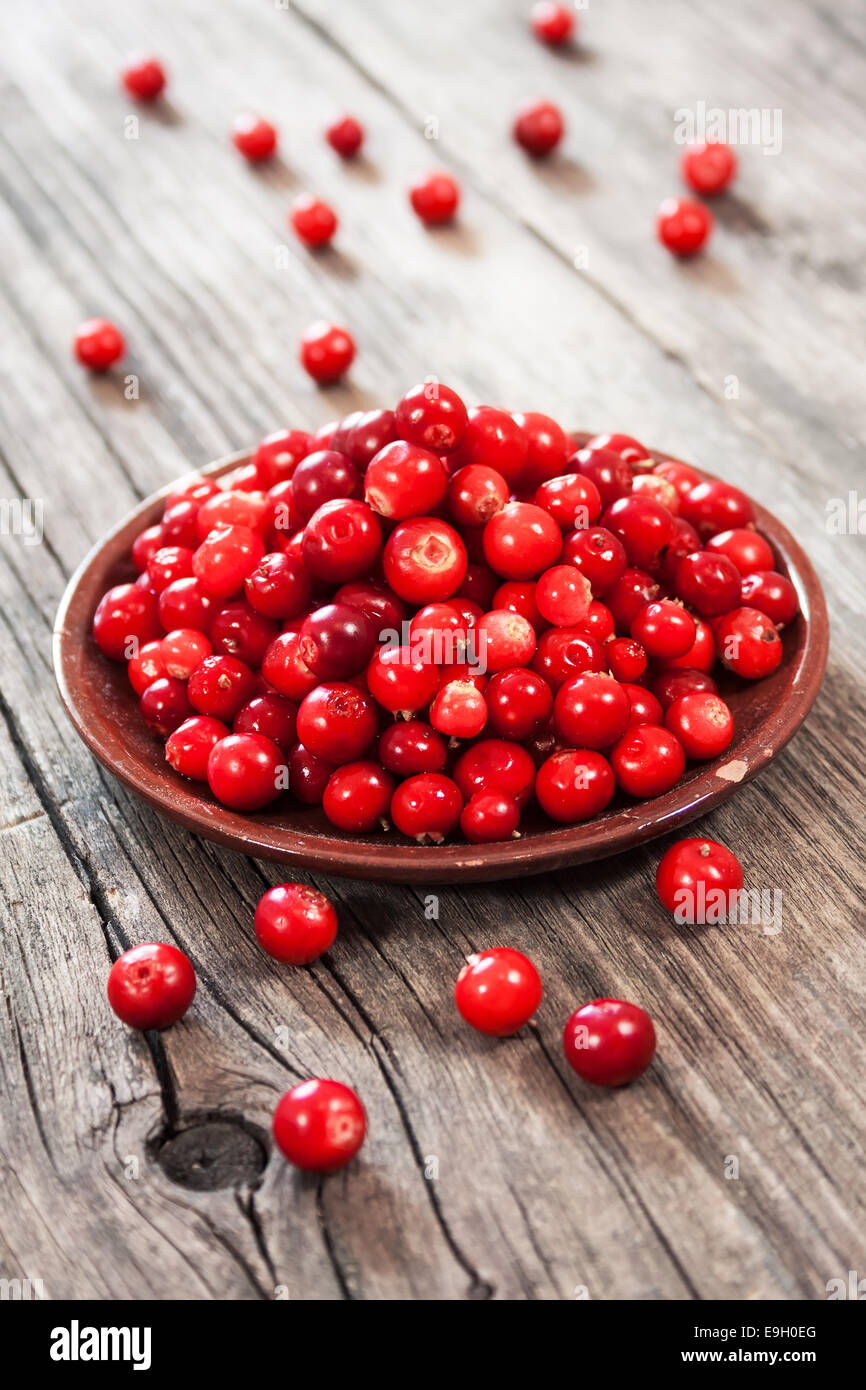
129, 1169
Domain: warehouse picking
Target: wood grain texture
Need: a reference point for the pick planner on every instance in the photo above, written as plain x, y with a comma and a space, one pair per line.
490, 1170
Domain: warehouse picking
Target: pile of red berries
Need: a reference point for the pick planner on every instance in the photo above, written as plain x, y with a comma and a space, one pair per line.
432, 615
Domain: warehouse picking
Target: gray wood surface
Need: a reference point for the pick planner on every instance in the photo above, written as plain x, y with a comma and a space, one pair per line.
490, 1170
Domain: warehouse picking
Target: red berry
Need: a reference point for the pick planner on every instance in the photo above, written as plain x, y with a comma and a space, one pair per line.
683, 225
626, 446
238, 630
459, 710
233, 509
539, 127
490, 816
607, 469
424, 560
223, 561
433, 416
410, 746
714, 506
503, 640
690, 871
146, 666
342, 541
664, 629
747, 550
405, 480
435, 198
519, 703
564, 652
495, 764
164, 705
498, 991
572, 500
336, 641
283, 668
319, 1125
563, 596
645, 708
609, 1042
598, 622
382, 607
188, 748
246, 771
427, 807
626, 659
369, 435
143, 78
547, 449
254, 137
185, 604
772, 594
521, 541
357, 797
494, 437
220, 685
708, 168
98, 344
125, 619
324, 476
475, 494
167, 564
598, 554
591, 711
702, 722
551, 23
151, 986
274, 716
631, 592
679, 474
400, 681
346, 136
278, 587
146, 544
337, 722
308, 776
678, 681
327, 352
747, 642
648, 760
574, 785
709, 582
295, 923
315, 223
644, 526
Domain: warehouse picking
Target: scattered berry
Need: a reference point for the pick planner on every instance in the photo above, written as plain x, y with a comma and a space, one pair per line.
609, 1042
98, 344
295, 923
151, 986
498, 991
319, 1125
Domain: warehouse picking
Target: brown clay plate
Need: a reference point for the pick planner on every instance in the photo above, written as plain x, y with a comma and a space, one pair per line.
104, 709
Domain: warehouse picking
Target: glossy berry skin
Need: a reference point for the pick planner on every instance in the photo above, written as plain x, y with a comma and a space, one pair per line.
689, 870
683, 225
459, 710
238, 630
384, 609
670, 685
563, 596
664, 629
489, 816
145, 545
574, 784
319, 1125
548, 448
498, 991
645, 527
607, 469
551, 23
701, 656
188, 748
151, 986
519, 703
648, 761
645, 707
400, 681
747, 642
308, 776
336, 641
313, 220
572, 500
772, 594
433, 416
495, 764
435, 198
369, 435
278, 587
146, 666
427, 807
405, 480
702, 722
144, 78
327, 351
164, 705
220, 685
680, 475
254, 137
411, 746
424, 560
626, 659
598, 622
284, 670
244, 771
708, 582
475, 493
272, 715
223, 561
709, 167
745, 548
538, 127
493, 437
167, 564
591, 711
295, 923
125, 619
98, 344
714, 506
609, 1042
346, 136
279, 454
599, 555
324, 476
564, 652
631, 592
503, 640
185, 604
342, 541
521, 541
357, 797
337, 722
